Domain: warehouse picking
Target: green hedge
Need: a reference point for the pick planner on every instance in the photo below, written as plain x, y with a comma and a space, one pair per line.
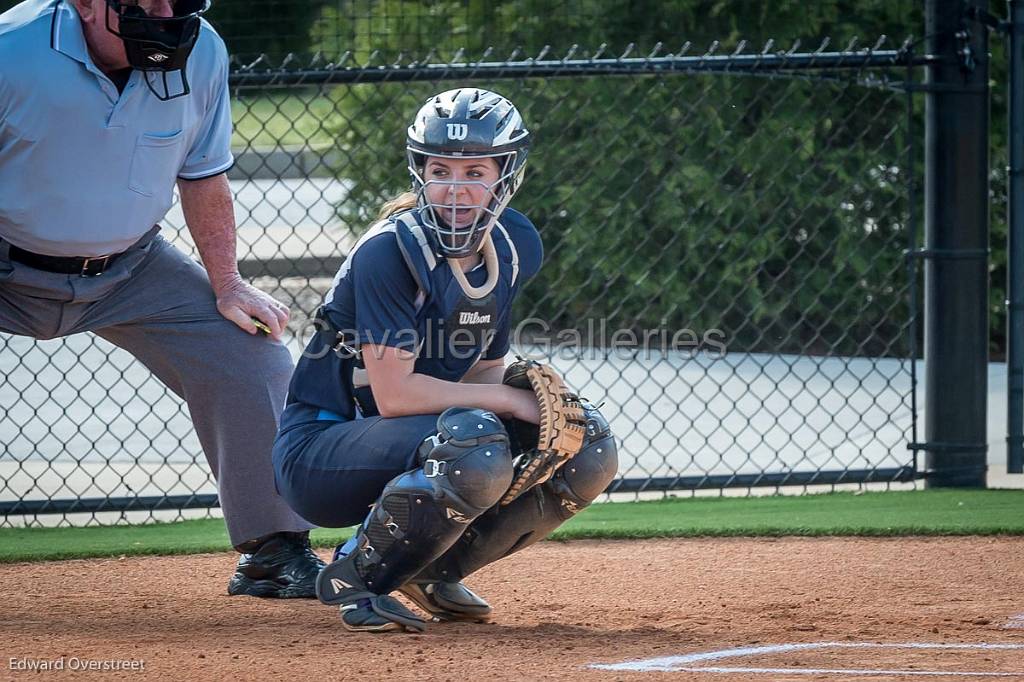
785, 269
703, 203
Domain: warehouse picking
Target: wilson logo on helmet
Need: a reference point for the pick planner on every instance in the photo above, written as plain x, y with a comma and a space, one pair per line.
466, 123
457, 131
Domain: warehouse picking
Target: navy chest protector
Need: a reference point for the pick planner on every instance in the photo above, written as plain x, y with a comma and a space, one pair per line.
470, 319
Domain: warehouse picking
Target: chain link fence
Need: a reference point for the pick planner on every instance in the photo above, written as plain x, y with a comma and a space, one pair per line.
725, 270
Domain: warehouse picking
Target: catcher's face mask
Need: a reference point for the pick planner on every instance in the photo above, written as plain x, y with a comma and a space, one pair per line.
158, 45
461, 197
465, 125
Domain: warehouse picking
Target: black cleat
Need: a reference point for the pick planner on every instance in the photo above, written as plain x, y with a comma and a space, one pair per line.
448, 601
363, 610
281, 565
380, 613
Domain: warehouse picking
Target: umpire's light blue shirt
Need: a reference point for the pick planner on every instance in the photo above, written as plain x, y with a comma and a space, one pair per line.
85, 171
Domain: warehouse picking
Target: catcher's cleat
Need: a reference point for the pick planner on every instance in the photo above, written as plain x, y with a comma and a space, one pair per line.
381, 613
362, 610
280, 566
448, 601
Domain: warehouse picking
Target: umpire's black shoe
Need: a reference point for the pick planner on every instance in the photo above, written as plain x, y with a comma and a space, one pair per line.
281, 565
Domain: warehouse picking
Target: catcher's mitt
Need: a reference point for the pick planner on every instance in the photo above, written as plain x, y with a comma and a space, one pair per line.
559, 436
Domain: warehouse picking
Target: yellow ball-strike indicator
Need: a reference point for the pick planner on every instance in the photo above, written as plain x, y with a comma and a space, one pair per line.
260, 326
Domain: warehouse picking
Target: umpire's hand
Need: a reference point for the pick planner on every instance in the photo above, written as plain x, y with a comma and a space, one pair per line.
239, 301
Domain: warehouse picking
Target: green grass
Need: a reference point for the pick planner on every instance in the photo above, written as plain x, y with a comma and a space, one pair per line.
281, 119
932, 512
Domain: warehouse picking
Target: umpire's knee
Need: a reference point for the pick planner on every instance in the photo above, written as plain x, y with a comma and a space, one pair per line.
585, 476
249, 358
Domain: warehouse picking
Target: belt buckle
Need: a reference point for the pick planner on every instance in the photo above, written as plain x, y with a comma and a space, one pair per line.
87, 270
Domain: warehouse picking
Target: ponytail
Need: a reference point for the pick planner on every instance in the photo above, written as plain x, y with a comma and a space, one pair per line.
403, 202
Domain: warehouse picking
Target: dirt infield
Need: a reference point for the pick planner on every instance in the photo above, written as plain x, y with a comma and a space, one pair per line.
559, 607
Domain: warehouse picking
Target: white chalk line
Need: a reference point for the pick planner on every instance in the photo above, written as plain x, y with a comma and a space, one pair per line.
1015, 623
838, 671
684, 663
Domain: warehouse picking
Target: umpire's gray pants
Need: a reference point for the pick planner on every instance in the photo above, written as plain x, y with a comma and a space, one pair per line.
157, 303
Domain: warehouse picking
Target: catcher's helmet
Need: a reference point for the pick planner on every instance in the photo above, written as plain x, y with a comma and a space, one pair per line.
467, 123
158, 44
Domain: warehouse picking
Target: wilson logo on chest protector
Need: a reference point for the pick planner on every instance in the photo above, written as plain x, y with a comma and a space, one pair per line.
474, 318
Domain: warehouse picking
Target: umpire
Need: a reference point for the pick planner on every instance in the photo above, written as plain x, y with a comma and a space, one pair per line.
104, 105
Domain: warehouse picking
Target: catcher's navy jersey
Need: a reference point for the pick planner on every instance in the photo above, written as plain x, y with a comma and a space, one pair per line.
393, 291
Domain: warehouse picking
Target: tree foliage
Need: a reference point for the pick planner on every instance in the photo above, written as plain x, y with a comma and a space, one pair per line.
773, 209
273, 28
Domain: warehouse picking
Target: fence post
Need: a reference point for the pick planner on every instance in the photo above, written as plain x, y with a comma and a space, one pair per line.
956, 246
1015, 246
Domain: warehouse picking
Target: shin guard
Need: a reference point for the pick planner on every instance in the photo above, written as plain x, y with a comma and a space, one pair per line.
466, 468
502, 531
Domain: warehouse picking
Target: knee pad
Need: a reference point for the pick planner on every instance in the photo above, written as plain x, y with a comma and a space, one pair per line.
502, 531
469, 460
465, 469
580, 480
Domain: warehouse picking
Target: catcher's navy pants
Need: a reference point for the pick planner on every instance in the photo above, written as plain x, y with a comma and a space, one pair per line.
331, 471
156, 303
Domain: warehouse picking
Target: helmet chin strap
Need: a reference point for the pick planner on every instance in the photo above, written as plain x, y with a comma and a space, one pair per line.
490, 262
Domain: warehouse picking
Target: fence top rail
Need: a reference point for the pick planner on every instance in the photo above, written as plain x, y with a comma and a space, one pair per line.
259, 73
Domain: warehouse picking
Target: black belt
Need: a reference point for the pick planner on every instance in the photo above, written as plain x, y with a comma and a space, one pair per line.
69, 265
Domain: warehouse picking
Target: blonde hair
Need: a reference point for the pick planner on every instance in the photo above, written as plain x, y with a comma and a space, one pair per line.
402, 202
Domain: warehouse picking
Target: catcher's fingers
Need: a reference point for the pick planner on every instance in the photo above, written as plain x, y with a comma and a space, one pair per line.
530, 468
524, 405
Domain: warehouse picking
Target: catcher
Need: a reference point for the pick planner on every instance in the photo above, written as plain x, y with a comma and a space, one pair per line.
402, 402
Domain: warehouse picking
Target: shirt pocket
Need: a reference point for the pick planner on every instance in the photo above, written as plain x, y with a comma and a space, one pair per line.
155, 163
16, 133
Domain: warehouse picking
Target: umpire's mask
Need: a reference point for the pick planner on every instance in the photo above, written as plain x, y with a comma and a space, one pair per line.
159, 46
